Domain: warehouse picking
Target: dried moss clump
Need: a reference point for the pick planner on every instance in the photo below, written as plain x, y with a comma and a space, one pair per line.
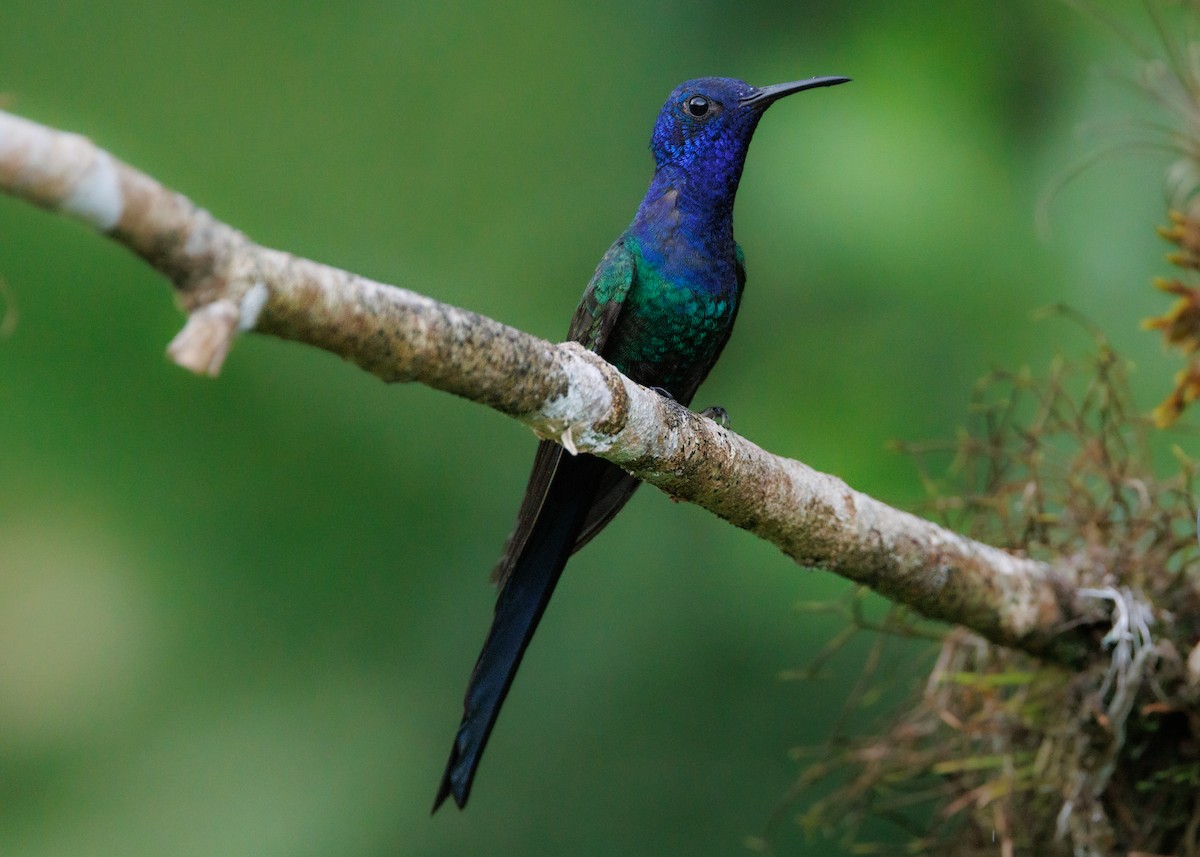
1005, 754
1180, 325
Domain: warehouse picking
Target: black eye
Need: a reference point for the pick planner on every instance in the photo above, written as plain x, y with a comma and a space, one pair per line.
697, 105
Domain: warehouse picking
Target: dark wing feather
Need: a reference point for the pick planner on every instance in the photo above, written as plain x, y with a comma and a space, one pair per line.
617, 486
557, 504
545, 465
591, 325
603, 299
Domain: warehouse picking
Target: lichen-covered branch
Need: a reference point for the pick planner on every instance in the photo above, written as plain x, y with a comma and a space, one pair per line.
227, 284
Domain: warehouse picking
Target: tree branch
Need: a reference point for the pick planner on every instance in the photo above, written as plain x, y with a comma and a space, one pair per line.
228, 284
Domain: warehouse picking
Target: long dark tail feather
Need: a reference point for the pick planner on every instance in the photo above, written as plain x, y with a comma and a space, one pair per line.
519, 607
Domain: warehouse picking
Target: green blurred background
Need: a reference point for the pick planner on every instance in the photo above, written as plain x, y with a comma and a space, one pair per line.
237, 616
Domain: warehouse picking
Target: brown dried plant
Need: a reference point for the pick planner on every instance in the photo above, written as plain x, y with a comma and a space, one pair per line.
1002, 753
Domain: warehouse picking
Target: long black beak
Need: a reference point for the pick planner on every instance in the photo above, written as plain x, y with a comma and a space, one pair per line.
768, 94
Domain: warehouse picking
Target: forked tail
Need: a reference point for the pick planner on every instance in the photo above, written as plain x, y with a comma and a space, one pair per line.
519, 607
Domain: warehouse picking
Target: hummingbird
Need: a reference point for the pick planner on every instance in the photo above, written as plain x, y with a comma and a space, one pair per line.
660, 307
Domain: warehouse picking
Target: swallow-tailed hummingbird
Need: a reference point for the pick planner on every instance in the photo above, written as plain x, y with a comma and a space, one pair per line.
660, 308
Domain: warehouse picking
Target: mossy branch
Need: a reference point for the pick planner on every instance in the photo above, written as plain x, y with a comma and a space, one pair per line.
227, 283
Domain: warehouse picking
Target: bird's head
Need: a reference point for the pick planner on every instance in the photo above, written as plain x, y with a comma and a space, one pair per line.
704, 129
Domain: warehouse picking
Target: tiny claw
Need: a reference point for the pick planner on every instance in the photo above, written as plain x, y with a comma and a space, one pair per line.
718, 415
664, 393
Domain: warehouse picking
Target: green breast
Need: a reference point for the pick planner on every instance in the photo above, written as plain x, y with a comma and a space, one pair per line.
672, 325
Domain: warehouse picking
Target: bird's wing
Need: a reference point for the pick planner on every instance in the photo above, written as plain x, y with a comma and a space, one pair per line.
617, 486
560, 493
603, 299
591, 325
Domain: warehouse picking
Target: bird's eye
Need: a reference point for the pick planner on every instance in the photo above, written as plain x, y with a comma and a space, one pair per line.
697, 106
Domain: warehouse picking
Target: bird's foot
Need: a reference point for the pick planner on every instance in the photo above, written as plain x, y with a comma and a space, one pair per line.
718, 415
664, 393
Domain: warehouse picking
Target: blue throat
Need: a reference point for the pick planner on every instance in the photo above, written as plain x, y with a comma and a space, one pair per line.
685, 228
685, 222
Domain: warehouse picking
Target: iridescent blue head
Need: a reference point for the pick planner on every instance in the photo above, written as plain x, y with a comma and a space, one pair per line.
704, 130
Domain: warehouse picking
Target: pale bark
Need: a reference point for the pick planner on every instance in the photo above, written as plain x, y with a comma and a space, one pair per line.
227, 283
